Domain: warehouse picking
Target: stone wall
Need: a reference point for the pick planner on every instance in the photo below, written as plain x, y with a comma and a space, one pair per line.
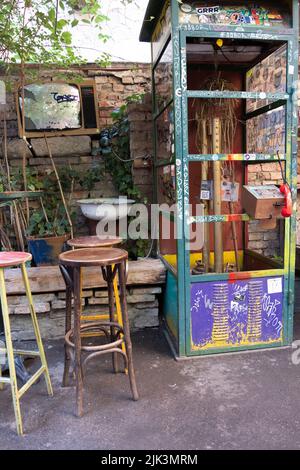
143, 310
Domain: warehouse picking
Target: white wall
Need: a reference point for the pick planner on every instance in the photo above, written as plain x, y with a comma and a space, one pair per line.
124, 28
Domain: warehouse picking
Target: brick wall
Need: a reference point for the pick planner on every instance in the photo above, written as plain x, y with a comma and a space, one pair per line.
113, 86
266, 242
141, 145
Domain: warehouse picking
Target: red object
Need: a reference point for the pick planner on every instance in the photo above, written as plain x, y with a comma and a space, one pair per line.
288, 203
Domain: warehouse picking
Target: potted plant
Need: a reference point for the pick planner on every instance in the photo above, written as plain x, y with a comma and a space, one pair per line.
46, 238
48, 228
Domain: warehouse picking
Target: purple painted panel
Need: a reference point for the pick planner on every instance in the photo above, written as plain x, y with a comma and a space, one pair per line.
236, 313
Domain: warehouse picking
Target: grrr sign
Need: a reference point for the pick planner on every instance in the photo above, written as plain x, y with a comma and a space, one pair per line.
208, 10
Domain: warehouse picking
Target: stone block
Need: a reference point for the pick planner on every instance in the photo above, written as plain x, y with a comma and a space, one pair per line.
61, 304
145, 290
63, 146
135, 299
127, 80
23, 309
98, 301
22, 299
16, 149
85, 293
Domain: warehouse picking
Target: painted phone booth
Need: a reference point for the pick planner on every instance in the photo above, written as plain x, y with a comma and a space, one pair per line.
225, 128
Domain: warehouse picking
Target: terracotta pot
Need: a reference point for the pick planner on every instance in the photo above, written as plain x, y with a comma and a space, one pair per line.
45, 251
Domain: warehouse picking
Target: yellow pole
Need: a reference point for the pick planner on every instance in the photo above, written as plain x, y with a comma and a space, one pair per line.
10, 354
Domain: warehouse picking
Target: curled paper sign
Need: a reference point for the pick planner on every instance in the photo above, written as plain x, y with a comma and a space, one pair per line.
2, 93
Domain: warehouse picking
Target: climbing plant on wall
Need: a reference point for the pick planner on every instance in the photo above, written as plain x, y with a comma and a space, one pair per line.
118, 163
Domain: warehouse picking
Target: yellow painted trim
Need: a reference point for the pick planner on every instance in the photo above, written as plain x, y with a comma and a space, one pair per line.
31, 381
10, 354
224, 344
229, 257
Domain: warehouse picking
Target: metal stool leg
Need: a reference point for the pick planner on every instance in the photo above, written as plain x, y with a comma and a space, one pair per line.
67, 328
122, 278
10, 354
36, 330
77, 341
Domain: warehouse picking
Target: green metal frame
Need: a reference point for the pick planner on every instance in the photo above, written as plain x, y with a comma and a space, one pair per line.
180, 32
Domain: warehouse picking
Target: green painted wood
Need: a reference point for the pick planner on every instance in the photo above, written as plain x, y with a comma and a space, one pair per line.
183, 220
236, 157
13, 195
242, 95
181, 272
210, 219
237, 276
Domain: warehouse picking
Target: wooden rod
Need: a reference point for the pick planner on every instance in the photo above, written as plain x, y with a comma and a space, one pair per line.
233, 224
204, 177
218, 232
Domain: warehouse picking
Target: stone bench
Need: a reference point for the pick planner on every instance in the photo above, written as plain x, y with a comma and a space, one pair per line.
145, 283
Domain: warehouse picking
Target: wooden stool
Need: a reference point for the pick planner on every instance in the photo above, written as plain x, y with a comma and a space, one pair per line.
9, 259
111, 261
89, 242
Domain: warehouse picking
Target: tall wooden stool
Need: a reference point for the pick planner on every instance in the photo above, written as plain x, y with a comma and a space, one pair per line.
9, 259
111, 261
88, 242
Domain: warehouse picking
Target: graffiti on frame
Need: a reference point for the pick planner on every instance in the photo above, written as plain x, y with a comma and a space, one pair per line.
197, 13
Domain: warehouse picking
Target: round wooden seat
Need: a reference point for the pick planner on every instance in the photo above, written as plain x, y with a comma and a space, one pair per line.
94, 242
13, 258
93, 257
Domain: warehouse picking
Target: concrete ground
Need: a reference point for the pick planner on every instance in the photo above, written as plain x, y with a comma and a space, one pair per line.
244, 401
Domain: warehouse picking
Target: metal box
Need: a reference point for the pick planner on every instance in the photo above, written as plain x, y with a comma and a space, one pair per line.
262, 202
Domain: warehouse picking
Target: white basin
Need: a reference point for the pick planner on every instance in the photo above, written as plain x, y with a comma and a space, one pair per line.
109, 208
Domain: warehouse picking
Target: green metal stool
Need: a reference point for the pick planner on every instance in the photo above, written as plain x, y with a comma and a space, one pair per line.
9, 259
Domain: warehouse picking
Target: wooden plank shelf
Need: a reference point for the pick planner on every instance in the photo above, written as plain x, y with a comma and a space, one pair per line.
48, 279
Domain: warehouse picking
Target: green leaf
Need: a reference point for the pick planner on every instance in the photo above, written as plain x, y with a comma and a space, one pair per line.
67, 37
